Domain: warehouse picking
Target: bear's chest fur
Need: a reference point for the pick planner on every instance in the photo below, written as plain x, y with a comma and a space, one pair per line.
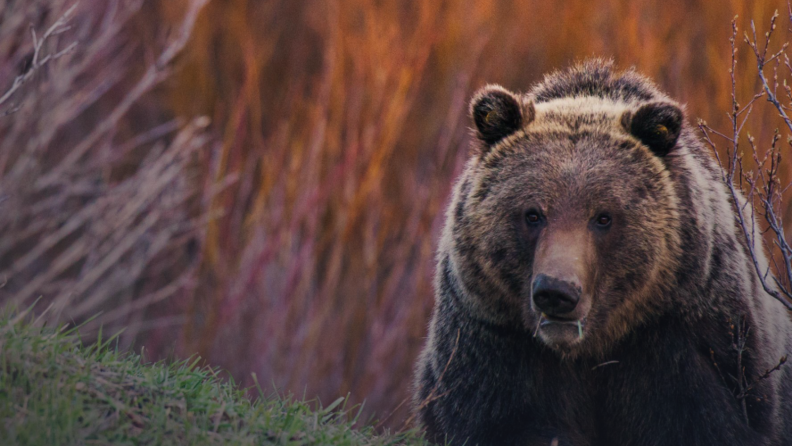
656, 383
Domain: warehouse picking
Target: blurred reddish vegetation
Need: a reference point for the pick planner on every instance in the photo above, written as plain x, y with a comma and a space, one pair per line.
295, 235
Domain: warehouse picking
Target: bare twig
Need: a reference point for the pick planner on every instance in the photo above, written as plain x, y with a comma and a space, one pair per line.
738, 345
762, 377
604, 364
757, 192
60, 26
763, 184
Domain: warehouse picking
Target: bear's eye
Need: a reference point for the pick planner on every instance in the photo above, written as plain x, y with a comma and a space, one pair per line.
603, 220
532, 217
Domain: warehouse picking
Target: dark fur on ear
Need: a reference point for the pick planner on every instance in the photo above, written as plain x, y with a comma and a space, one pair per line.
657, 125
498, 113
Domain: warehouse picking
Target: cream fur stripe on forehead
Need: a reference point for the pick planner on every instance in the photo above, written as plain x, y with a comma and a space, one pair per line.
581, 106
543, 121
551, 116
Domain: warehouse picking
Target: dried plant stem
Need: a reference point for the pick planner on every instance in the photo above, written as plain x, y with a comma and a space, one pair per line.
156, 73
763, 188
756, 192
60, 26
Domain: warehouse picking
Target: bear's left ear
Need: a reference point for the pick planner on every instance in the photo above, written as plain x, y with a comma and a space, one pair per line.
657, 125
498, 113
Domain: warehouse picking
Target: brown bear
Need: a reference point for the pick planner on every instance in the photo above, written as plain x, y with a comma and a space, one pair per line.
593, 287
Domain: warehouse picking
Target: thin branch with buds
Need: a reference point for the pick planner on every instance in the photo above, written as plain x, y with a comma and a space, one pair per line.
757, 192
761, 189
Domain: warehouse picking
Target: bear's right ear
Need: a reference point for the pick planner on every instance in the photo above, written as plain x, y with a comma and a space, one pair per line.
498, 113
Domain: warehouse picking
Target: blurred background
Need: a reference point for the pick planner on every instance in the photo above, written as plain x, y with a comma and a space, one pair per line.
262, 183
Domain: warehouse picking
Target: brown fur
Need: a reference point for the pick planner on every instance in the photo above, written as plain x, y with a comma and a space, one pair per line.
661, 287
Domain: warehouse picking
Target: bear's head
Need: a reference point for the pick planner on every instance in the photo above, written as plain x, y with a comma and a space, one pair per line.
566, 220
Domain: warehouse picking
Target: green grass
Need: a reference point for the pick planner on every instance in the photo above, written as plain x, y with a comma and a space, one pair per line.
56, 391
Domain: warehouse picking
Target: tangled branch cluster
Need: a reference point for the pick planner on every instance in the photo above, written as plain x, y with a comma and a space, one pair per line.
758, 192
95, 209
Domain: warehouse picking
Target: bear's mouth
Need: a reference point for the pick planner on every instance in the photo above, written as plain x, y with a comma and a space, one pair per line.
546, 321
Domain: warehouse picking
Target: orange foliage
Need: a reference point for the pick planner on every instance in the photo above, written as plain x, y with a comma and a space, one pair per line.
340, 128
343, 125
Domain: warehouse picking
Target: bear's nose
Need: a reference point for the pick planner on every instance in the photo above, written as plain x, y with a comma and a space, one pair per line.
555, 297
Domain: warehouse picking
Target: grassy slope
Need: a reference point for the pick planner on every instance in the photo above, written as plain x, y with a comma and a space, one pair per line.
55, 391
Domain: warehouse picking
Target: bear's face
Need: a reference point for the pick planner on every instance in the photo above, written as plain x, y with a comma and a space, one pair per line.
567, 222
